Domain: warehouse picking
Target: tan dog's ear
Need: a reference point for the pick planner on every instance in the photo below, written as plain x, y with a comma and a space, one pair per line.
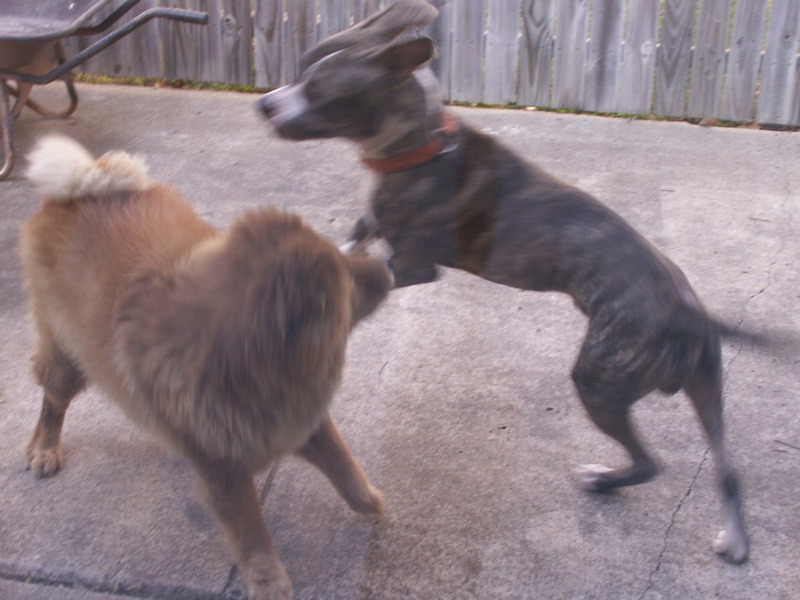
372, 281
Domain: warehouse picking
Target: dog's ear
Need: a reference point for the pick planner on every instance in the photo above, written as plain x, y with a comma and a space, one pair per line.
375, 30
403, 59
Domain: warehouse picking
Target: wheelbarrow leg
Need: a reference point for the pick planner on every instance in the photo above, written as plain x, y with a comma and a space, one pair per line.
23, 91
6, 123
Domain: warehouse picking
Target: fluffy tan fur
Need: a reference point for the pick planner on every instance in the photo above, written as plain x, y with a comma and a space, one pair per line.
228, 345
63, 169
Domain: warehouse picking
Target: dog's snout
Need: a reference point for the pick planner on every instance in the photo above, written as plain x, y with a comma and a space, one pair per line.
266, 106
286, 109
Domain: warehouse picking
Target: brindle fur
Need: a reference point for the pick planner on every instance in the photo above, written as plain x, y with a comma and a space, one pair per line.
227, 345
479, 207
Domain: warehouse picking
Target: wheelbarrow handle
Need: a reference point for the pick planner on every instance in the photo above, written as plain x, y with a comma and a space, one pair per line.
175, 14
108, 21
179, 14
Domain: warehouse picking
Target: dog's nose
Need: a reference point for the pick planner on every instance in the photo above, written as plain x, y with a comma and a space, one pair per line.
266, 105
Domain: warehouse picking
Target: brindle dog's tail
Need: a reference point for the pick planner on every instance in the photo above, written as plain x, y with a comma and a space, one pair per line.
774, 341
751, 338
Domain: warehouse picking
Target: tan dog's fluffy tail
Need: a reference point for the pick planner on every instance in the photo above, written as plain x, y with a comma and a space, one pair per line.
64, 170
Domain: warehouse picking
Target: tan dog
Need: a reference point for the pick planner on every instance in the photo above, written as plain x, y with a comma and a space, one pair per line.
228, 345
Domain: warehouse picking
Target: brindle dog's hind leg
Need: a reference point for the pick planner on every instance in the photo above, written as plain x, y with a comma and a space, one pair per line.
704, 388
607, 397
62, 380
613, 419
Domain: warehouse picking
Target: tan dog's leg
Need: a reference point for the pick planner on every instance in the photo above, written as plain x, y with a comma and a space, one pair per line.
61, 380
329, 453
233, 499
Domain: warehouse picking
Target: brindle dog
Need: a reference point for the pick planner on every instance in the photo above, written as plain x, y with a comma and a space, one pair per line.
449, 195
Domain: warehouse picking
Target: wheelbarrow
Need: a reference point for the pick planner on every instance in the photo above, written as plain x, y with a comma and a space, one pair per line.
31, 52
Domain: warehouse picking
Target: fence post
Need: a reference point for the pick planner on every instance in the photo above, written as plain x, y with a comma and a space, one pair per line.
777, 101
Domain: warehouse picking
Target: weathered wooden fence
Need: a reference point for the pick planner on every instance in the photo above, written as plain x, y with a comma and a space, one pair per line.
725, 59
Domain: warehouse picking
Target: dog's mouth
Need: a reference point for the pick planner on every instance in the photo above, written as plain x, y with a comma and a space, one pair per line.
295, 126
281, 107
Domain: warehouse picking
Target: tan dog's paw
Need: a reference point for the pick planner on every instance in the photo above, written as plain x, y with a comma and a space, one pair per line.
267, 582
370, 502
277, 589
44, 462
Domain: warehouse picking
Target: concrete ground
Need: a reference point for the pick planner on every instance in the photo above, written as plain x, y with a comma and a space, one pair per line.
456, 397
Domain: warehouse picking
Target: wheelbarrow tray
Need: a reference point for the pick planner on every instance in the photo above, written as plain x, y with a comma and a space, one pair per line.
29, 28
31, 54
28, 20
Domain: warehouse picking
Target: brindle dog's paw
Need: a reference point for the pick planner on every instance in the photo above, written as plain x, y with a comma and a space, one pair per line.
593, 478
44, 462
732, 548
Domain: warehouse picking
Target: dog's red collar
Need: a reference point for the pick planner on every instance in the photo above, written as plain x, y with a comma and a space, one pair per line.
408, 160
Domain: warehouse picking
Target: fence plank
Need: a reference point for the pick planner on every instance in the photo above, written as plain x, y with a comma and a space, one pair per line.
637, 69
794, 119
709, 58
502, 52
738, 95
507, 50
209, 43
139, 54
364, 8
184, 47
604, 56
778, 99
570, 53
466, 58
536, 52
268, 34
143, 52
442, 32
134, 55
300, 33
237, 36
674, 57
334, 17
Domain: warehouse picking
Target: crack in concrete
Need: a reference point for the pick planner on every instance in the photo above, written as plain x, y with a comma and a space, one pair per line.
127, 589
770, 269
786, 221
75, 581
672, 521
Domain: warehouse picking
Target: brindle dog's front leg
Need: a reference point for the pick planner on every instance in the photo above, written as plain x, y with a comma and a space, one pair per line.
232, 497
364, 231
409, 266
410, 270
